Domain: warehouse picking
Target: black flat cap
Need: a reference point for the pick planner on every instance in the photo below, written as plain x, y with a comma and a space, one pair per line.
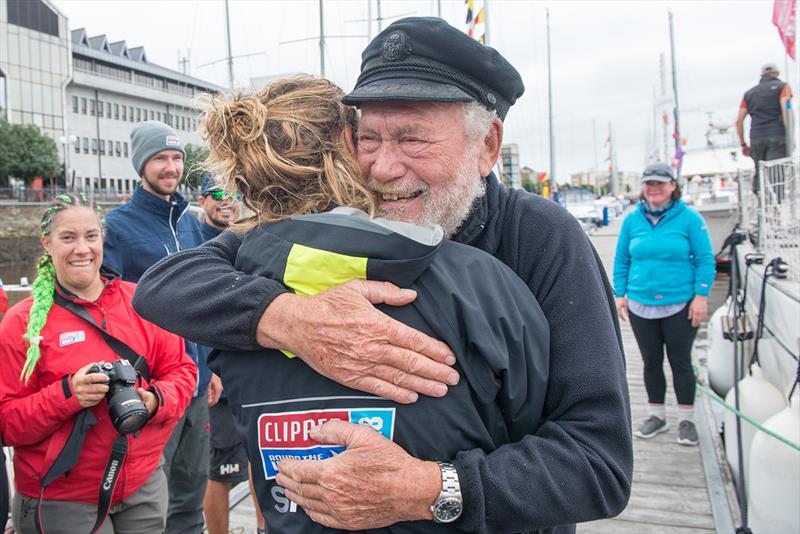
426, 59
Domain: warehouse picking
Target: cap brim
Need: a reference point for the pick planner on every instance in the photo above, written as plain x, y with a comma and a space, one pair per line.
656, 178
406, 89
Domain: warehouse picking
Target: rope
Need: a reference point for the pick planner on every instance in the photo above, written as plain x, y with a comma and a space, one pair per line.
716, 398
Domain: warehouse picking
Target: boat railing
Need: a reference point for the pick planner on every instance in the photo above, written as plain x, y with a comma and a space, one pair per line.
779, 213
748, 202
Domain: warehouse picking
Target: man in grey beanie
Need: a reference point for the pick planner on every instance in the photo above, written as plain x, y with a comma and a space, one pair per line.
154, 224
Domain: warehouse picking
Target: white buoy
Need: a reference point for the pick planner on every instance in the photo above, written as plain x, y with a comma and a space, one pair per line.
719, 358
759, 400
775, 474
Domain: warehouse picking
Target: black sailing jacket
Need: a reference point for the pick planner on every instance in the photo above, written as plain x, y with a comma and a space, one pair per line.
478, 306
578, 465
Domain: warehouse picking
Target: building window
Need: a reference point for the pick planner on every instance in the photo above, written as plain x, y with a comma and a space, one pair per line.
168, 118
74, 104
78, 145
152, 115
110, 148
118, 149
125, 113
125, 149
100, 108
85, 145
108, 109
91, 107
83, 106
130, 111
116, 111
34, 15
138, 115
158, 115
94, 146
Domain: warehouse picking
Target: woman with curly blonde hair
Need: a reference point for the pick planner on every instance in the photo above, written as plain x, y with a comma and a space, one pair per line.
289, 150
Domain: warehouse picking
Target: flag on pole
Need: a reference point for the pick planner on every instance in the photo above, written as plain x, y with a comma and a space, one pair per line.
476, 23
784, 13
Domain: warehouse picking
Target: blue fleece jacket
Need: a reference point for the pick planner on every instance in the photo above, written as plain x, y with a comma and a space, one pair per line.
143, 231
664, 263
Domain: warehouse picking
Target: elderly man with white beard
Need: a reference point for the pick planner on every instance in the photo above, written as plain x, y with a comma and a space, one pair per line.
432, 106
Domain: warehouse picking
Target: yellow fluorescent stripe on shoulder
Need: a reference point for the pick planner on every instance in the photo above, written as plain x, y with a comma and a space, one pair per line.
310, 270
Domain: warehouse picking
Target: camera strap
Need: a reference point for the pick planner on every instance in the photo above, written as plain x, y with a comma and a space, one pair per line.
5, 491
139, 363
69, 454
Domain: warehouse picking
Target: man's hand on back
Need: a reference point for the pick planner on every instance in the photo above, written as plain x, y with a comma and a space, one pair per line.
341, 335
373, 484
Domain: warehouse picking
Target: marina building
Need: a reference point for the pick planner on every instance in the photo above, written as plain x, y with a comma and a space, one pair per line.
509, 160
87, 92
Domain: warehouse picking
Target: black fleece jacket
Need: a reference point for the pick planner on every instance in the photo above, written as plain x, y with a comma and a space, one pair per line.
578, 465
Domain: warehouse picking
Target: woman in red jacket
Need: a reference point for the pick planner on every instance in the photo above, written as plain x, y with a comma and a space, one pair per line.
46, 385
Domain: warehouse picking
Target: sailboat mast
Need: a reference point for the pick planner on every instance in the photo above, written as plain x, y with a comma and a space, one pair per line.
550, 111
677, 133
228, 38
321, 42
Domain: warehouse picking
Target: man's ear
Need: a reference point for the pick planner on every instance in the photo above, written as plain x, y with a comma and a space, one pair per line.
490, 148
45, 243
202, 201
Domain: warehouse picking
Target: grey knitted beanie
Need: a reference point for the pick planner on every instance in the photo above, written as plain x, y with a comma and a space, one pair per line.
149, 138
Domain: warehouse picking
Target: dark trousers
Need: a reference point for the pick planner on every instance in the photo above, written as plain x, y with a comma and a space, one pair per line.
186, 467
766, 149
677, 334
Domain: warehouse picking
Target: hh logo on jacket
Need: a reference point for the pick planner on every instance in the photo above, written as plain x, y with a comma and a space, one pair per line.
285, 435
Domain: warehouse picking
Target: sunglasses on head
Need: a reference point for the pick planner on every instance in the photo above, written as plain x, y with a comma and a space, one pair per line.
222, 195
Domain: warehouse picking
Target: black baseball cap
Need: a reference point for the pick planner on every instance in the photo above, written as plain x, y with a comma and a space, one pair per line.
426, 59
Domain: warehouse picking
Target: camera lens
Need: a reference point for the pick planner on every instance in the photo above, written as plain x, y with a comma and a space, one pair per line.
126, 409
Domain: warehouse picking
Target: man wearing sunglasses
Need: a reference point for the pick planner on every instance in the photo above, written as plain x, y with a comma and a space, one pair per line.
153, 225
220, 207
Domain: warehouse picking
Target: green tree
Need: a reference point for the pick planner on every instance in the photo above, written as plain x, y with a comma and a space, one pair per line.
193, 168
25, 152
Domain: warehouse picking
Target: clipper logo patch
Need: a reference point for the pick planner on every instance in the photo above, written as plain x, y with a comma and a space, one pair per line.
285, 435
173, 140
68, 338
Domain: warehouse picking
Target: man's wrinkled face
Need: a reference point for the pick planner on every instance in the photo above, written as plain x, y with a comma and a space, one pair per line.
162, 173
419, 161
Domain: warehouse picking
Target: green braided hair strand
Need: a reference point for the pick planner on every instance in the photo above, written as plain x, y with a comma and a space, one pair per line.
44, 285
42, 291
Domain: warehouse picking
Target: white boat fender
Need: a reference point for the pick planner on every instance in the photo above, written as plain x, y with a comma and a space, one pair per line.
775, 474
719, 359
759, 400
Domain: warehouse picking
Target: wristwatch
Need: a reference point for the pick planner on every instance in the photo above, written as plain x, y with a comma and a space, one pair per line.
449, 505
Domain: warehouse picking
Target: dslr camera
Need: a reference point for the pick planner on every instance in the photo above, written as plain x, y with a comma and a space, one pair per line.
127, 411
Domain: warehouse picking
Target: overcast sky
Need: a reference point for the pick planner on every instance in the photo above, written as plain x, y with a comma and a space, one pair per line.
605, 57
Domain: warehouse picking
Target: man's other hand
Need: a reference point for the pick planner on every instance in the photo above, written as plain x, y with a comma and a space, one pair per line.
341, 335
373, 484
214, 390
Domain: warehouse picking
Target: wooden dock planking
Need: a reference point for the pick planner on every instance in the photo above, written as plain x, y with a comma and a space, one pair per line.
669, 492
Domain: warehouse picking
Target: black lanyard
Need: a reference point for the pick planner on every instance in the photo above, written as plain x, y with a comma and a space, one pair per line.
85, 420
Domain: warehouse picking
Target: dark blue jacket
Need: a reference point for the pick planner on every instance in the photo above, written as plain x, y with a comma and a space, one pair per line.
579, 464
145, 230
208, 231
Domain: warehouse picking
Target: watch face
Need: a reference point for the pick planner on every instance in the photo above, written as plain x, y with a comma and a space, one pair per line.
447, 510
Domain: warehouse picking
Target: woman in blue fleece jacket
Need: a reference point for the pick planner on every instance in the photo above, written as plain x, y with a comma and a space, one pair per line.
663, 271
